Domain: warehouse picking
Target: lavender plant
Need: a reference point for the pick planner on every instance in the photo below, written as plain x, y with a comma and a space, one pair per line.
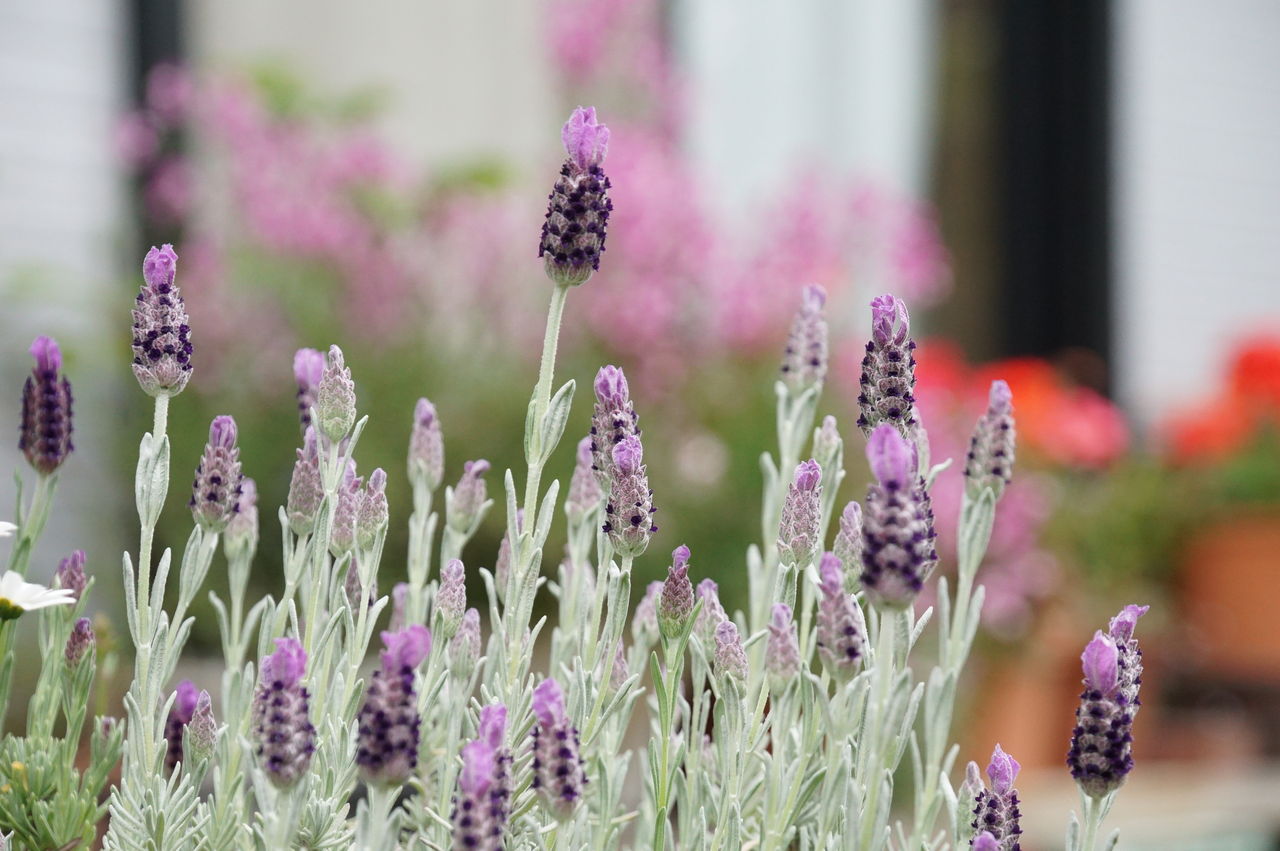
781, 726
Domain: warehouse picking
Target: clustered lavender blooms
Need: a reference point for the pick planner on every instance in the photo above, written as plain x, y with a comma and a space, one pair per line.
898, 551
712, 613
480, 809
70, 574
782, 652
804, 361
888, 369
306, 490
282, 729
578, 207
731, 658
335, 400
675, 603
801, 514
426, 446
387, 750
558, 774
1100, 757
613, 420
842, 630
215, 494
451, 598
161, 337
989, 462
996, 811
848, 544
45, 435
629, 510
468, 495
81, 641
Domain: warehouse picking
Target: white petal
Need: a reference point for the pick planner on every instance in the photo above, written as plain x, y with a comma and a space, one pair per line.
7, 529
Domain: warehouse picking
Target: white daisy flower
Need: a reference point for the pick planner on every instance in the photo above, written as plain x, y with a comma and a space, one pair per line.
7, 529
18, 596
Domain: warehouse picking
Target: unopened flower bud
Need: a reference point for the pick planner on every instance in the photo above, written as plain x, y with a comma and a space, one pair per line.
676, 603
613, 419
202, 731
44, 436
842, 630
644, 623
801, 516
469, 496
426, 446
70, 574
342, 535
848, 544
804, 362
888, 369
371, 519
464, 647
989, 463
629, 510
782, 651
80, 643
215, 493
451, 598
731, 658
240, 539
335, 403
711, 614
306, 488
584, 488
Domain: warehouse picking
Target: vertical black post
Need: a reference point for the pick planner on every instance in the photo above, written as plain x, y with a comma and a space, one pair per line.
156, 37
1054, 163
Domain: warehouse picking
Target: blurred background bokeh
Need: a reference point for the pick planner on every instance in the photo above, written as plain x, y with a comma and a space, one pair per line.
1081, 198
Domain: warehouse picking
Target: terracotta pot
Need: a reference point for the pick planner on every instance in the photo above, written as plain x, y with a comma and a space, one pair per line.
1229, 586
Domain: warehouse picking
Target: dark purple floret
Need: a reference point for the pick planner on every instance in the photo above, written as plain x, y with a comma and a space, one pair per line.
215, 493
888, 369
282, 729
558, 774
578, 207
842, 630
45, 433
996, 810
387, 747
1100, 756
629, 509
613, 419
989, 462
898, 552
161, 336
184, 706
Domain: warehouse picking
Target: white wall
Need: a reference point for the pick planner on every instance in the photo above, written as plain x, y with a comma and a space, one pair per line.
61, 88
1197, 179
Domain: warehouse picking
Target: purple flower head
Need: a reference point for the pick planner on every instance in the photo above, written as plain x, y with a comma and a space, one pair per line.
585, 139
469, 496
70, 574
306, 488
644, 623
558, 774
888, 369
984, 841
282, 729
1099, 660
613, 419
80, 642
573, 235
215, 493
426, 446
451, 598
1100, 756
611, 387
842, 630
342, 535
676, 603
712, 612
848, 543
801, 515
585, 493
389, 724
464, 647
629, 509
731, 658
1003, 770
898, 535
405, 649
804, 361
493, 725
478, 764
241, 536
335, 402
989, 463
782, 652
161, 336
184, 704
372, 516
202, 730
891, 457
44, 434
308, 370
1123, 624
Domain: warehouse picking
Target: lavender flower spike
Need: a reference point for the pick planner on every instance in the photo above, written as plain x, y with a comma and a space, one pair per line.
804, 361
712, 613
801, 515
848, 545
558, 776
70, 574
342, 535
989, 463
80, 643
612, 420
426, 446
578, 207
335, 403
1128, 655
469, 496
241, 536
184, 706
479, 814
888, 369
676, 601
842, 631
996, 812
1100, 755
387, 748
372, 516
308, 370
731, 658
451, 598
782, 651
585, 493
306, 489
202, 730
215, 494
161, 336
629, 509
45, 433
282, 728
898, 535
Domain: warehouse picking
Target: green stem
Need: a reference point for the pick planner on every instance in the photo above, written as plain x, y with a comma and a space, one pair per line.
149, 529
872, 765
542, 396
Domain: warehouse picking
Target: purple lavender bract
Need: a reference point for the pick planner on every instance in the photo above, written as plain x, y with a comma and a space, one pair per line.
613, 419
387, 747
161, 336
80, 642
184, 704
801, 515
426, 446
578, 207
989, 463
899, 551
480, 813
306, 489
888, 369
451, 598
282, 728
215, 493
1100, 754
804, 361
70, 574
676, 601
558, 776
308, 369
44, 435
731, 658
996, 810
629, 509
842, 630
